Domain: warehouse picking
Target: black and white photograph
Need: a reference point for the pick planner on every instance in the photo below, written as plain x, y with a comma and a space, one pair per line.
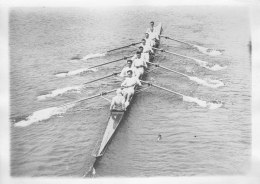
133, 91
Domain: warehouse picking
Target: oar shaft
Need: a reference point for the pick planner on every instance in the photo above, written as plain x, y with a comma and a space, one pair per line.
123, 47
174, 53
110, 62
165, 89
97, 95
167, 37
110, 75
168, 69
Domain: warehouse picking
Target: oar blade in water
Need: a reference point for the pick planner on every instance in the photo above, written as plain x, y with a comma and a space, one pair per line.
204, 50
75, 72
205, 64
91, 56
61, 91
202, 103
43, 114
207, 82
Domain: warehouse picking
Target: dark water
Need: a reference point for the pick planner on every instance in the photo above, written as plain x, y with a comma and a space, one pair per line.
195, 140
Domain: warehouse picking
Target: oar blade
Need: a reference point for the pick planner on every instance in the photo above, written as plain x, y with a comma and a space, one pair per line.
207, 82
201, 103
204, 50
214, 105
60, 91
44, 114
91, 56
75, 72
208, 66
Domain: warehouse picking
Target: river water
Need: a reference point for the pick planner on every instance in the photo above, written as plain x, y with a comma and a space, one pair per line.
194, 140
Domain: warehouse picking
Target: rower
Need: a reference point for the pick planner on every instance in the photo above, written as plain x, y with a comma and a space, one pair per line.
118, 102
148, 40
143, 55
151, 27
129, 85
128, 67
140, 64
154, 37
147, 48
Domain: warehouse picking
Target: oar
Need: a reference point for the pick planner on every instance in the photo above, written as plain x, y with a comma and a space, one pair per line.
61, 91
47, 113
207, 82
110, 75
200, 62
204, 50
77, 72
132, 44
202, 103
94, 96
89, 56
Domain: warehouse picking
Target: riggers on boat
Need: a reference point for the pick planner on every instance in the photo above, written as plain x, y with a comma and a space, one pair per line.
115, 119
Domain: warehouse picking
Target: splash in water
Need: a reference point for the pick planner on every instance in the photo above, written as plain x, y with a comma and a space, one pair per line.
211, 52
90, 56
208, 82
76, 72
61, 91
214, 67
43, 114
202, 103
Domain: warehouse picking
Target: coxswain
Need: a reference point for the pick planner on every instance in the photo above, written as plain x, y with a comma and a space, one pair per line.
151, 27
128, 67
140, 64
129, 84
118, 102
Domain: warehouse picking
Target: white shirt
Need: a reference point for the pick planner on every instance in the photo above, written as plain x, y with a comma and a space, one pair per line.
131, 82
148, 41
155, 30
147, 47
139, 62
153, 35
118, 102
143, 56
125, 69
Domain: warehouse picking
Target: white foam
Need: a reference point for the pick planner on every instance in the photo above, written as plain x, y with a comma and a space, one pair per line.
214, 105
206, 65
195, 100
202, 103
208, 82
211, 52
216, 67
90, 56
75, 72
61, 91
43, 114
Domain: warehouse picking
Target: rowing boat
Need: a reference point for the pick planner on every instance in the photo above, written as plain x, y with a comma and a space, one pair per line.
115, 119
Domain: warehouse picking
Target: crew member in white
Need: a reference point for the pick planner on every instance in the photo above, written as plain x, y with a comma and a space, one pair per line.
148, 40
129, 85
154, 37
118, 102
143, 55
151, 27
146, 47
140, 64
128, 67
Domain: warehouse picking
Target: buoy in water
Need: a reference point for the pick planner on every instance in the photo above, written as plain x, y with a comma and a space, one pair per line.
159, 137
